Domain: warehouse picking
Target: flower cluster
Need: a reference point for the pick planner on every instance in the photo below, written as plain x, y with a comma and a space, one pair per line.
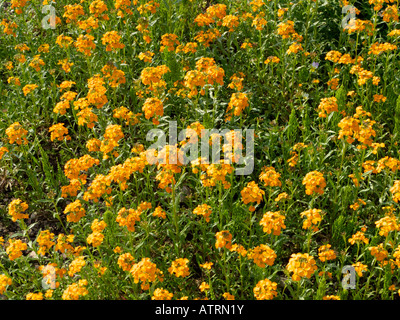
146, 272
128, 218
76, 290
17, 134
325, 253
265, 290
252, 193
162, 294
179, 268
302, 265
203, 210
15, 248
112, 41
313, 218
273, 222
4, 282
270, 177
224, 239
326, 106
262, 255
74, 211
59, 132
96, 237
16, 209
314, 182
45, 241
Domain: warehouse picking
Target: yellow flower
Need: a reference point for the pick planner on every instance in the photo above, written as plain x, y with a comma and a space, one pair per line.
204, 287
207, 265
159, 212
378, 252
112, 41
85, 44
395, 190
74, 211
237, 104
16, 209
331, 297
358, 237
34, 296
265, 290
270, 177
231, 22
59, 132
281, 196
325, 253
286, 29
49, 293
36, 62
76, 265
64, 41
146, 56
179, 268
14, 81
153, 107
203, 210
29, 88
262, 255
302, 265
75, 290
44, 48
360, 268
252, 193
228, 296
169, 41
97, 8
313, 218
387, 224
45, 241
273, 222
161, 294
314, 182
326, 106
15, 248
125, 261
4, 282
224, 239
294, 48
145, 271
128, 218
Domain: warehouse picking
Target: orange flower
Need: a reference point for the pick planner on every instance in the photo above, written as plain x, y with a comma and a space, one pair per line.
265, 290
302, 265
203, 210
252, 193
273, 222
314, 182
112, 41
59, 132
270, 177
262, 255
179, 268
224, 239
16, 209
17, 134
313, 218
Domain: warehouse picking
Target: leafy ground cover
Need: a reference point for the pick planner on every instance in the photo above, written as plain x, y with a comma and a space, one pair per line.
89, 210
